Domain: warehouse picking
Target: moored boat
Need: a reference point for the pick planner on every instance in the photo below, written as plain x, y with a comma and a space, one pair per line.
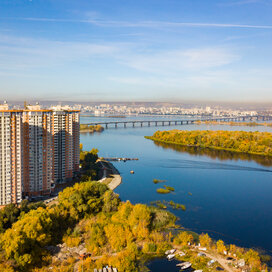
170, 251
184, 265
170, 256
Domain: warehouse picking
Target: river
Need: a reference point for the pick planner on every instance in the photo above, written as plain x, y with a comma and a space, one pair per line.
226, 195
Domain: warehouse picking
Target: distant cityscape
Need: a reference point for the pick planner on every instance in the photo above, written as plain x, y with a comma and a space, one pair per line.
122, 109
107, 109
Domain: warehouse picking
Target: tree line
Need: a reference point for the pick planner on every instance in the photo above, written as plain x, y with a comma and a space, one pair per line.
259, 143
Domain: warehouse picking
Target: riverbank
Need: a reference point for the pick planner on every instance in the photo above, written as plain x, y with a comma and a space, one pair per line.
256, 143
91, 129
248, 124
110, 175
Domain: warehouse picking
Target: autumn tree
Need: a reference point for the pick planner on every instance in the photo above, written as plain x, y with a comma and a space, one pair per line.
25, 242
83, 198
252, 258
183, 238
205, 240
118, 236
111, 202
220, 246
96, 239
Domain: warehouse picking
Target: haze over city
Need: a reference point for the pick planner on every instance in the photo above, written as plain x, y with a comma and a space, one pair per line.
136, 50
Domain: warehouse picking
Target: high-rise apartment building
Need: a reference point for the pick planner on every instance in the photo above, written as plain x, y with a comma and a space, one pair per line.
65, 131
10, 156
37, 149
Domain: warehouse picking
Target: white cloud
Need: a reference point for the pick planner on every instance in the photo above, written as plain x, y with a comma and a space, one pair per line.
22, 53
242, 2
143, 24
177, 61
204, 79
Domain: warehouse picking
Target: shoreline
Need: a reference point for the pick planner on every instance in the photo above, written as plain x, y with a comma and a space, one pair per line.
246, 124
111, 176
208, 147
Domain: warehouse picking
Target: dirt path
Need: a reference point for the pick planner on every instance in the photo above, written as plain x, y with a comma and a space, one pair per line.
222, 261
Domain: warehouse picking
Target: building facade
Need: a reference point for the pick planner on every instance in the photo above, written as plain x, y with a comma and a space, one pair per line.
11, 170
37, 152
65, 131
38, 148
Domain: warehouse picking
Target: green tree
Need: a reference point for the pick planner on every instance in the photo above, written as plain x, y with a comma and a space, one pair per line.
83, 198
26, 240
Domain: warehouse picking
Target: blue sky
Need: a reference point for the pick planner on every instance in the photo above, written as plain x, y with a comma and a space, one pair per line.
148, 50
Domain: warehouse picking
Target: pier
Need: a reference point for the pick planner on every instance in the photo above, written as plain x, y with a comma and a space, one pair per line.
121, 159
148, 123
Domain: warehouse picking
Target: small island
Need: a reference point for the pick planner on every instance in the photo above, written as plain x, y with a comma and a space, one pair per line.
257, 143
156, 181
165, 190
168, 204
91, 129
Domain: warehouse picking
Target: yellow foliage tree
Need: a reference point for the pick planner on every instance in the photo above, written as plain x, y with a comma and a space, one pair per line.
205, 240
183, 238
118, 236
220, 246
123, 213
26, 240
253, 259
139, 220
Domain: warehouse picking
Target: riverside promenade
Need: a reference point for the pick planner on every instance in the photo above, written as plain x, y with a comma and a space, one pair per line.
111, 175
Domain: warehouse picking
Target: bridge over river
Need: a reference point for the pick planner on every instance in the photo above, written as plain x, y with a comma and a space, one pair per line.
141, 123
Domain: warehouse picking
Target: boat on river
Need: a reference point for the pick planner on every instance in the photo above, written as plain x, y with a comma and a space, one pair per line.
184, 265
170, 251
170, 256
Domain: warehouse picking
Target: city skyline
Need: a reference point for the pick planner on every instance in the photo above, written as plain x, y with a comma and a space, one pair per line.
126, 51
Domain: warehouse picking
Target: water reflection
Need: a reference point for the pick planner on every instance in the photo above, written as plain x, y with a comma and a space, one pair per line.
217, 154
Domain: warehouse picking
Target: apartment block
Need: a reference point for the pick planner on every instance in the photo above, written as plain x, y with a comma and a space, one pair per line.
38, 149
65, 131
10, 156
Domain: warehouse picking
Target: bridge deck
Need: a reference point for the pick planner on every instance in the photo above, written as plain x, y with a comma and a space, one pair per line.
179, 121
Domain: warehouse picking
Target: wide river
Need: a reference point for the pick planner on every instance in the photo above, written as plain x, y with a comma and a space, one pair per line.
230, 194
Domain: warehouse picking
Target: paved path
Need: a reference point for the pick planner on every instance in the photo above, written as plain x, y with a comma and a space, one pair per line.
110, 170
